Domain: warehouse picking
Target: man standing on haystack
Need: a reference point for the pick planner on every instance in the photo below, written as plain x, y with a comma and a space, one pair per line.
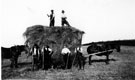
63, 19
52, 18
65, 52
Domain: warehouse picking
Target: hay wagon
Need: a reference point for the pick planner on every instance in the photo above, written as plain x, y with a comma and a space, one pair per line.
55, 37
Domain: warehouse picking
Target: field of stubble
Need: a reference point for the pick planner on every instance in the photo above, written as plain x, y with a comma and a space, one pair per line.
120, 67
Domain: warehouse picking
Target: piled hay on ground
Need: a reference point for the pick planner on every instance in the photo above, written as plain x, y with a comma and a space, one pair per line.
56, 37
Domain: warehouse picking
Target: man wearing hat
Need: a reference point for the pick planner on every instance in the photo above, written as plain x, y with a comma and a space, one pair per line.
52, 18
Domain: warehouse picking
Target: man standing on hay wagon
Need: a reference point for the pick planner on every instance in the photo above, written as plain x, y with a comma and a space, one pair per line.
52, 18
65, 52
63, 19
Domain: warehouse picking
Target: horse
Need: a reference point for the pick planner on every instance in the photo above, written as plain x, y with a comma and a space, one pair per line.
115, 46
22, 48
11, 53
96, 48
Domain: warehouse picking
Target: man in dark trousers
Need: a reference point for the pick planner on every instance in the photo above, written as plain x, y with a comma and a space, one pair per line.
66, 52
63, 19
52, 18
47, 53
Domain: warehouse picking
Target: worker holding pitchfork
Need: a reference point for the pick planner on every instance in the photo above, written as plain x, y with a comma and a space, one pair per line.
52, 18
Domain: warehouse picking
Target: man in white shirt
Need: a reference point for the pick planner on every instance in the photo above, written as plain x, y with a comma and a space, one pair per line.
63, 19
65, 52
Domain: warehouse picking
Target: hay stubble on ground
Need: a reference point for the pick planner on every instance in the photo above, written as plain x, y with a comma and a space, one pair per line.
121, 67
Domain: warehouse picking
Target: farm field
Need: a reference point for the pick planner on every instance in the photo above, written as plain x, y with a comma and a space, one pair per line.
121, 67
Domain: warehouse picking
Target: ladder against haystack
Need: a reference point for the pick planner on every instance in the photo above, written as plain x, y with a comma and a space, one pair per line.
55, 37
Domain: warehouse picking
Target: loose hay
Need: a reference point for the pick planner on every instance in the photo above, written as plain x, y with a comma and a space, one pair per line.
56, 37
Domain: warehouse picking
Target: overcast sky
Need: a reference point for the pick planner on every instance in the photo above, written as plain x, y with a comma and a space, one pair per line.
101, 20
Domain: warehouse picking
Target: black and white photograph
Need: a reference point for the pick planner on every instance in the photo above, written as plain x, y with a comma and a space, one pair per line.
67, 39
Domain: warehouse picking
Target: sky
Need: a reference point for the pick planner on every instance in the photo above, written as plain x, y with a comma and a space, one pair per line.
101, 20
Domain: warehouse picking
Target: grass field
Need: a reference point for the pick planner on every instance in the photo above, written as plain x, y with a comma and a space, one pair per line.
120, 67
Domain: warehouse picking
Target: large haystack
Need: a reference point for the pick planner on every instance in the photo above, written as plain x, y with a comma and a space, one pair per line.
56, 37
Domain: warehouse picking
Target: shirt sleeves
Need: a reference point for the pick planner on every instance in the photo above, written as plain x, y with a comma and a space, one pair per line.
65, 51
63, 16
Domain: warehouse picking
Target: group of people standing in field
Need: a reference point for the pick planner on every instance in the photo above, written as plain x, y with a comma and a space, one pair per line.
63, 19
41, 57
78, 57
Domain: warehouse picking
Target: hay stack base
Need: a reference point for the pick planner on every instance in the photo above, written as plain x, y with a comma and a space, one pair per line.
55, 37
